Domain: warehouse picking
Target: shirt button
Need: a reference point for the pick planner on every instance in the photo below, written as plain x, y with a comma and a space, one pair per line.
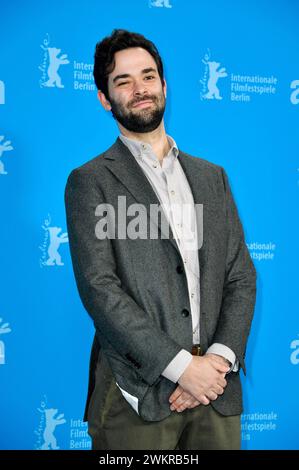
155, 165
185, 312
192, 294
172, 192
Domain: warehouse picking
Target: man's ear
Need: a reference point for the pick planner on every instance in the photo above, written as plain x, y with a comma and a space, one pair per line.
165, 87
104, 102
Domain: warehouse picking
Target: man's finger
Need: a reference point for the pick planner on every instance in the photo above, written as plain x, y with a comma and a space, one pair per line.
224, 368
185, 405
217, 389
212, 395
222, 382
190, 402
196, 403
182, 398
178, 391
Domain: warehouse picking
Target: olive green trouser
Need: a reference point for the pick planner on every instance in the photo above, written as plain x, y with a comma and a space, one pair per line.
114, 425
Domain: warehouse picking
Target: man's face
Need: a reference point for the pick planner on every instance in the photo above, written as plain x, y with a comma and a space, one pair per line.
136, 94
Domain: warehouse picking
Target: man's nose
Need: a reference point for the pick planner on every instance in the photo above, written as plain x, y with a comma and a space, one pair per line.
139, 89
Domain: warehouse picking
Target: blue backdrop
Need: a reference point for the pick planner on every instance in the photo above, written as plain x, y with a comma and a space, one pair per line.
232, 70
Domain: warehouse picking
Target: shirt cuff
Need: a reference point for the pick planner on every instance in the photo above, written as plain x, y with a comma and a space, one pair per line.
177, 366
227, 353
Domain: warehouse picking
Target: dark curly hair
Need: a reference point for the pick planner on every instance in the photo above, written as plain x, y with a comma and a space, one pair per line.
120, 39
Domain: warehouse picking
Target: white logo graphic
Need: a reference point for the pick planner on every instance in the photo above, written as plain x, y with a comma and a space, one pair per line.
51, 243
4, 328
4, 147
294, 98
159, 3
50, 65
294, 358
189, 217
212, 73
47, 426
2, 92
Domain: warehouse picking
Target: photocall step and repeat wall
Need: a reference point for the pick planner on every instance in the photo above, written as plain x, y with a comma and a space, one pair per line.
232, 70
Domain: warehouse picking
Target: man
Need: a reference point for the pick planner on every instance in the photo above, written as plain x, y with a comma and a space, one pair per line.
171, 316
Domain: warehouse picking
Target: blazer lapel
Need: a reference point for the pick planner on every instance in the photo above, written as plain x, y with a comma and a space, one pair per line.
120, 161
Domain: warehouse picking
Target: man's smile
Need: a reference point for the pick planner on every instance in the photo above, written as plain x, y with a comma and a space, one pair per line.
142, 104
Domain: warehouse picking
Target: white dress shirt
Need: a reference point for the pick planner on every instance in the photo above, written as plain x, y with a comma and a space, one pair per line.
173, 191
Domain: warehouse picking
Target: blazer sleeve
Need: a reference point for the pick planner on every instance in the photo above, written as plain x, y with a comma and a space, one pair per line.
239, 290
128, 329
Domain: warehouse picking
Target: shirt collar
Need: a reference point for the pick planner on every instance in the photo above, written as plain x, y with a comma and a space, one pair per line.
137, 147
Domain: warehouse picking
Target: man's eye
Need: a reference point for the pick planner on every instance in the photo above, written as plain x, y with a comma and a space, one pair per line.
149, 76
122, 83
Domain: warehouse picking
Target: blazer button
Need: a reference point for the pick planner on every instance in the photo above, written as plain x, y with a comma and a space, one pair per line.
185, 312
179, 269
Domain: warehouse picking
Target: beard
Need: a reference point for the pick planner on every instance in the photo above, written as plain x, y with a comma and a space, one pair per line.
139, 120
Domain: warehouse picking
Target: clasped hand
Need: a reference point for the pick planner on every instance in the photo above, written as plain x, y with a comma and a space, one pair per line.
202, 381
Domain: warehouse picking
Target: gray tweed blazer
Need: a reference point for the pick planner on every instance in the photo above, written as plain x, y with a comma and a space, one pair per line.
135, 290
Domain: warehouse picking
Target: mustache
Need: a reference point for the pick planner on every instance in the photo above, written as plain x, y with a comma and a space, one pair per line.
144, 98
